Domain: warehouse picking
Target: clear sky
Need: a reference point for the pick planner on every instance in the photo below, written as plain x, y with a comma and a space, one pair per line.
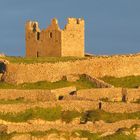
112, 26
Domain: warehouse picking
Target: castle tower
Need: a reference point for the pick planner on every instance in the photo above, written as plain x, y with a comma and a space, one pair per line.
32, 33
73, 38
53, 41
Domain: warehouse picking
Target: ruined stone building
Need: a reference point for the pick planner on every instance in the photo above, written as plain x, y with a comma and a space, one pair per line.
54, 41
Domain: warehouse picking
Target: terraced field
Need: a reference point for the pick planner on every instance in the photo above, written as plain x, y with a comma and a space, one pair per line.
69, 118
69, 111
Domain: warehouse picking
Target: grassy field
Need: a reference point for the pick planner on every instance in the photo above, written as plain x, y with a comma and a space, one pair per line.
119, 135
6, 136
82, 83
85, 134
49, 114
68, 116
26, 60
126, 82
15, 101
80, 133
96, 115
137, 101
44, 133
95, 136
52, 114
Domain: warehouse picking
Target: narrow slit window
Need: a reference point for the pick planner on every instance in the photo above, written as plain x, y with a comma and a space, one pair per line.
50, 35
78, 22
38, 35
37, 54
34, 27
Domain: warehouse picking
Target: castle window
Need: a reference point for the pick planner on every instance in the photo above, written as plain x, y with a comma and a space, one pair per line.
50, 35
38, 35
34, 27
37, 54
78, 21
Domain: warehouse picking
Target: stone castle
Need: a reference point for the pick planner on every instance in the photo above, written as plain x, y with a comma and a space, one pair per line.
53, 41
31, 113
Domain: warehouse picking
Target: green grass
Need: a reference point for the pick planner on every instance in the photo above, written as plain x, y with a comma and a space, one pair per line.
68, 116
26, 60
96, 115
119, 136
15, 101
6, 136
40, 134
44, 133
49, 114
95, 136
137, 101
4, 85
52, 114
85, 134
82, 83
78, 133
126, 82
105, 99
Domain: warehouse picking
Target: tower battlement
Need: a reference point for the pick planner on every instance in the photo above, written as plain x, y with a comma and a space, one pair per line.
75, 21
54, 41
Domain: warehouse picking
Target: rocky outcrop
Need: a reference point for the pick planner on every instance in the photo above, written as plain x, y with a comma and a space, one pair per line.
3, 129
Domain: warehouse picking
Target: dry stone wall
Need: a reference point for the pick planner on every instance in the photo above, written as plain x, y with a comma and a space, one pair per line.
97, 127
109, 94
133, 94
118, 66
35, 95
79, 106
70, 93
99, 83
32, 95
63, 91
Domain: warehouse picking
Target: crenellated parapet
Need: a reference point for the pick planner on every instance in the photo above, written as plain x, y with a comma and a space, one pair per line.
54, 41
75, 24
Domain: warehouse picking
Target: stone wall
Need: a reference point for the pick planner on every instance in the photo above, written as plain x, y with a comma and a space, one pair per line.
98, 127
133, 94
80, 106
109, 94
36, 94
99, 83
70, 93
118, 66
63, 91
32, 95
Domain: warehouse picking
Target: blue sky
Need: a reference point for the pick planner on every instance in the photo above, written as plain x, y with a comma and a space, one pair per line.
112, 26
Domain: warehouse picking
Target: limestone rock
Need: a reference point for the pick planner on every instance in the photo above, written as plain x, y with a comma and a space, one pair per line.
3, 128
22, 137
72, 78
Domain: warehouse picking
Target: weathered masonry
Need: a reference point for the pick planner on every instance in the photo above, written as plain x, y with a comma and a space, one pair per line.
53, 41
